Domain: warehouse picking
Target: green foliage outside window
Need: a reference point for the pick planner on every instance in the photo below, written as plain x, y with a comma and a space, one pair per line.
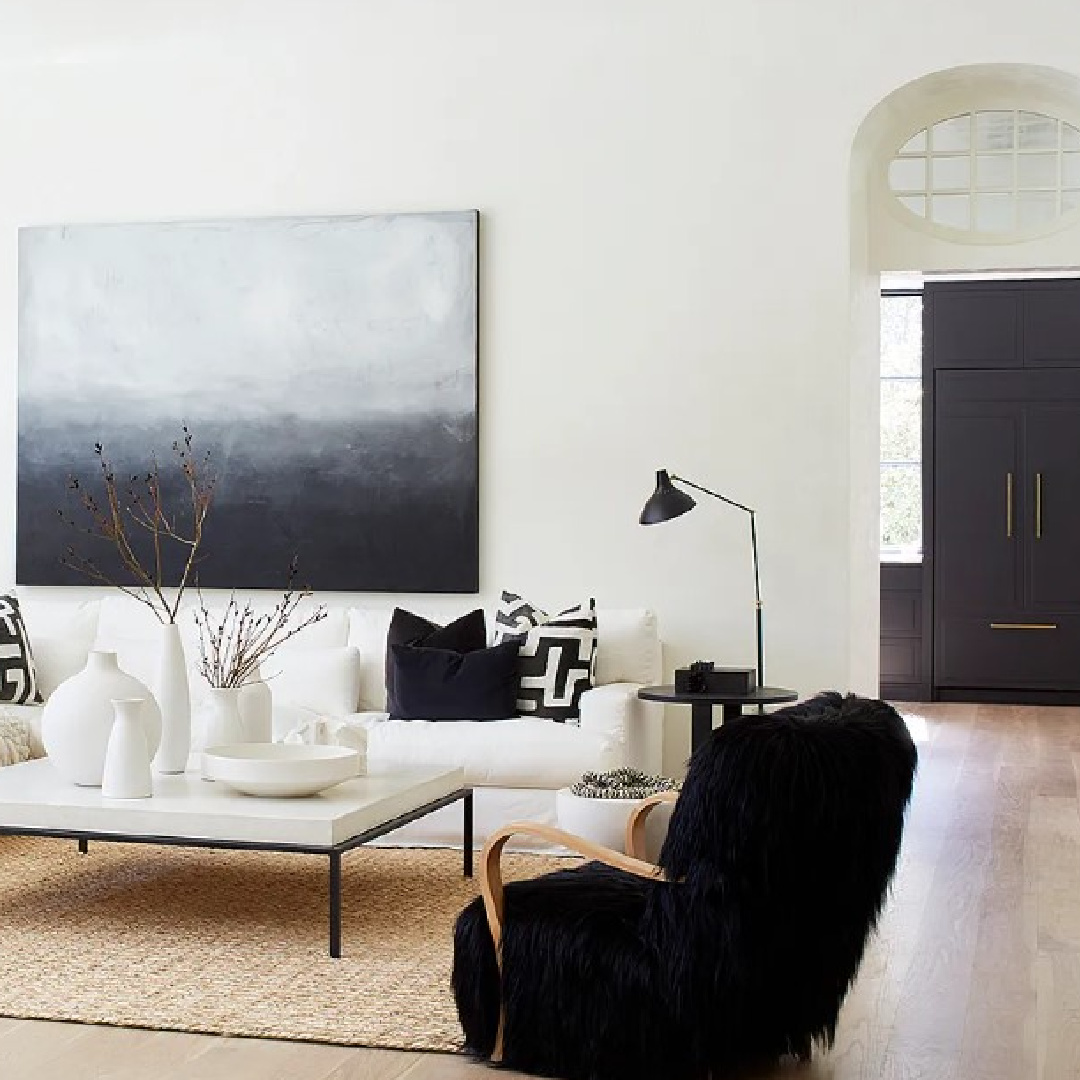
901, 423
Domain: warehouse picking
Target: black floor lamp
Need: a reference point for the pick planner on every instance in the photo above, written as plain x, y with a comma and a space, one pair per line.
668, 502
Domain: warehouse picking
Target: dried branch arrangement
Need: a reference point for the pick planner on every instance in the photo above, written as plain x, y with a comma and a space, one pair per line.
134, 518
234, 644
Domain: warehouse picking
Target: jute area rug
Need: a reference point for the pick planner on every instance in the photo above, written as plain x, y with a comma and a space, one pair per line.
235, 943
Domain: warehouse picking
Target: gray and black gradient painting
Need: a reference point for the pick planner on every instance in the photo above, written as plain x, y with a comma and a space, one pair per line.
329, 366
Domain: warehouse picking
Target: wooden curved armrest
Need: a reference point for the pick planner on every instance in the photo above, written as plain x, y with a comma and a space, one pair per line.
635, 823
491, 883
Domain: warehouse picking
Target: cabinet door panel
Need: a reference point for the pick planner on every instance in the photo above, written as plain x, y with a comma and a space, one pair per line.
975, 557
974, 329
1052, 325
1052, 525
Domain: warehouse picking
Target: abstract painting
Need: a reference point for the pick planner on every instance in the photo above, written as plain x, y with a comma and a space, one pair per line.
328, 365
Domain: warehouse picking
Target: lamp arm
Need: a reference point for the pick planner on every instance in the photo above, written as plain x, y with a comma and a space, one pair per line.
757, 576
714, 494
757, 605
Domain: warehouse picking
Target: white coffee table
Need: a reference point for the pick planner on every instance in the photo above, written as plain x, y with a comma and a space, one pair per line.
187, 811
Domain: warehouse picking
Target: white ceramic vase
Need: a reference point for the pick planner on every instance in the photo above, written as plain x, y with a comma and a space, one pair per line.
224, 724
174, 698
256, 712
127, 757
78, 718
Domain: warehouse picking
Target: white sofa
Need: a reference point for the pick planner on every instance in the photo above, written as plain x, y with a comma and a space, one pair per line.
328, 683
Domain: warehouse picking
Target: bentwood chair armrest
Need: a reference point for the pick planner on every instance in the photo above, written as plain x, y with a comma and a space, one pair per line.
635, 823
491, 884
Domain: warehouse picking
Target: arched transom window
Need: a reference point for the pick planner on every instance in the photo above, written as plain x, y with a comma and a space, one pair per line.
995, 171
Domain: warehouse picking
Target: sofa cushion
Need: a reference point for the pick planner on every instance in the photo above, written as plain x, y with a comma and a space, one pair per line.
368, 629
465, 634
18, 675
521, 752
441, 684
133, 632
627, 646
325, 681
556, 658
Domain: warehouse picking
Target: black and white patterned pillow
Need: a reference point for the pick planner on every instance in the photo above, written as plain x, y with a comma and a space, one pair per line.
18, 677
556, 655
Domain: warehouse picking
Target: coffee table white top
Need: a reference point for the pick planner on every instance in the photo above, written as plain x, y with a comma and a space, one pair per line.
33, 795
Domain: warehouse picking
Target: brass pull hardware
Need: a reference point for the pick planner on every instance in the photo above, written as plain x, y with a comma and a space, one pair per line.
1038, 506
1023, 626
1009, 505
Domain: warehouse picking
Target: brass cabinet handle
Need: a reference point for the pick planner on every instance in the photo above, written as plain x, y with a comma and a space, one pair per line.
1038, 506
1023, 626
1009, 505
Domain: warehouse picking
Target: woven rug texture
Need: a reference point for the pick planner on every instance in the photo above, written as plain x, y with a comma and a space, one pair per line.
234, 942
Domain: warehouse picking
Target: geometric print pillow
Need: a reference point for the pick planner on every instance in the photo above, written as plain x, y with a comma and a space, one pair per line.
556, 655
18, 678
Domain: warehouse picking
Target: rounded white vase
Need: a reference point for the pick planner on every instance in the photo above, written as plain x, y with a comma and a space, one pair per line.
604, 820
127, 757
174, 698
78, 718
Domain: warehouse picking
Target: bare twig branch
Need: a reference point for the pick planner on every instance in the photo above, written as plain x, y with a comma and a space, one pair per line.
143, 503
235, 643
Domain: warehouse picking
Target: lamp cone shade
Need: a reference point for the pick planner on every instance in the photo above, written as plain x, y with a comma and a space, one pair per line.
666, 502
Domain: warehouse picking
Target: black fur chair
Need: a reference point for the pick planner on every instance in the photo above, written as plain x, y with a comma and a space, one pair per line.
738, 950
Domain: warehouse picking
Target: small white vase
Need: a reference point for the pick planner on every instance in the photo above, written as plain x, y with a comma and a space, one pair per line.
224, 725
127, 758
256, 712
174, 697
78, 718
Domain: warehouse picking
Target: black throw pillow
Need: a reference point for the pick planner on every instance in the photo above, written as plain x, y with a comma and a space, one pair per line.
440, 684
406, 628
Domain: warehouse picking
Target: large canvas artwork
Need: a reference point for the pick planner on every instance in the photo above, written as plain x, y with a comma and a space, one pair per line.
327, 364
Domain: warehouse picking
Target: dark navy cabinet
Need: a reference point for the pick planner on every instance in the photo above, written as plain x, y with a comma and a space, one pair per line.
1002, 500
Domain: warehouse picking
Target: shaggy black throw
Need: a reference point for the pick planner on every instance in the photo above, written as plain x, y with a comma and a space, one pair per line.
780, 852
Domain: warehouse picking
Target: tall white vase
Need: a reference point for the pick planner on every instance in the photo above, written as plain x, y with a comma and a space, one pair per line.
78, 718
256, 712
127, 758
174, 697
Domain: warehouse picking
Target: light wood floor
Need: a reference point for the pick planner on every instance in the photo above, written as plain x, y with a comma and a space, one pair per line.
975, 974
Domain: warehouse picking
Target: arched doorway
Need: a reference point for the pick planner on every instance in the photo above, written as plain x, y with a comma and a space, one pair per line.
886, 236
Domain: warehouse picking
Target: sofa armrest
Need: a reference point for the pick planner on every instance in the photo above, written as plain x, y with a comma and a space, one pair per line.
614, 709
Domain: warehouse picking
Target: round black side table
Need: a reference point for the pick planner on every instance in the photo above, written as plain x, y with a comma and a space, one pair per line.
701, 705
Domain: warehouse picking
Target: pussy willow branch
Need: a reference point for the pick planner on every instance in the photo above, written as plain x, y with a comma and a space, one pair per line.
144, 506
234, 644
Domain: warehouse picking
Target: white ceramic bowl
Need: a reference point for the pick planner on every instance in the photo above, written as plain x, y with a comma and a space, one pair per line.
281, 770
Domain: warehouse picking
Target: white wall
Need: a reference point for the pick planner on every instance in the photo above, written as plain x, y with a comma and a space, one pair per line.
666, 249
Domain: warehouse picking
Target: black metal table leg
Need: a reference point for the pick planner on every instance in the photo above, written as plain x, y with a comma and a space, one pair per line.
335, 904
700, 724
84, 845
468, 853
732, 711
